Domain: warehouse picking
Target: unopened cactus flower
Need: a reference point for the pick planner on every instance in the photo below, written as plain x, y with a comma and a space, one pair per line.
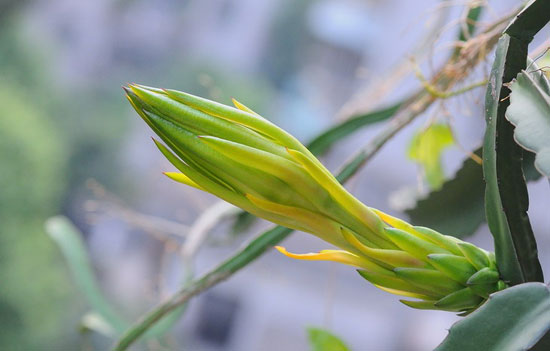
248, 161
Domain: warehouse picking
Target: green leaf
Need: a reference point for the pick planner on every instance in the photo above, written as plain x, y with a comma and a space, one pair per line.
325, 140
242, 221
506, 198
103, 317
69, 240
529, 111
322, 340
457, 207
512, 319
471, 21
426, 148
474, 12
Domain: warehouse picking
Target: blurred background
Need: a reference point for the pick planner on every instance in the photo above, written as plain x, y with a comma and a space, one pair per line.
71, 144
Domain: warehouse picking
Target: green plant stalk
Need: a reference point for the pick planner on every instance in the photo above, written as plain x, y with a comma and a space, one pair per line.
224, 270
507, 199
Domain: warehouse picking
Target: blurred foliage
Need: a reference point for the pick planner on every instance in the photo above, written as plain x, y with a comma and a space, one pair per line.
426, 148
7, 7
207, 79
322, 340
529, 112
37, 299
89, 145
291, 37
36, 295
457, 207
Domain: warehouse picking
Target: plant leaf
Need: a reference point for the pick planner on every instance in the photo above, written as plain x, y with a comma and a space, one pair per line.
325, 140
103, 317
512, 319
322, 340
457, 207
506, 198
529, 111
69, 240
426, 148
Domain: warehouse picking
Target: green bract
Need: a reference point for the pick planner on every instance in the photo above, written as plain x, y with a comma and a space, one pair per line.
248, 161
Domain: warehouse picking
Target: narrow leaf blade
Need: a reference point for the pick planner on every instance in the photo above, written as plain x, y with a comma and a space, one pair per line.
321, 143
69, 240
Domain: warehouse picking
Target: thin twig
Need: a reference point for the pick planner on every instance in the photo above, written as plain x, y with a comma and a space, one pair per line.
160, 228
202, 226
444, 94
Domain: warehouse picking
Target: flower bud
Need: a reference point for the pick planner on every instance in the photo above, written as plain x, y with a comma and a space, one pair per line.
248, 161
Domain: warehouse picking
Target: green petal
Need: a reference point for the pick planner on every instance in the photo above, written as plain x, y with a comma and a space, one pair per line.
455, 267
244, 108
413, 245
312, 222
340, 194
460, 300
484, 276
202, 123
421, 305
393, 258
390, 281
185, 168
182, 178
208, 184
237, 116
428, 279
484, 290
403, 293
292, 174
477, 257
447, 242
209, 161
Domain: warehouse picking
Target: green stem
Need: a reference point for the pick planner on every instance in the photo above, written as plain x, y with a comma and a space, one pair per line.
242, 258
